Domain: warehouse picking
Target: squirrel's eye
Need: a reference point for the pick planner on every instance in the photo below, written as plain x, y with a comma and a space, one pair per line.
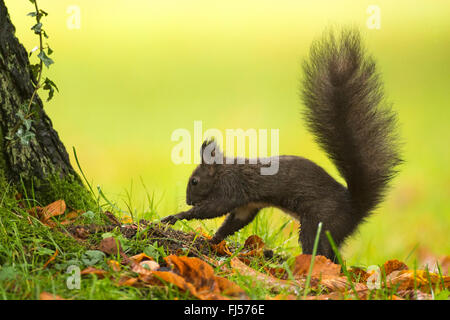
194, 181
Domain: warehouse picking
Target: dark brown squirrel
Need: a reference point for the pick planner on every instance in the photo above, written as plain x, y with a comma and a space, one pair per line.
348, 115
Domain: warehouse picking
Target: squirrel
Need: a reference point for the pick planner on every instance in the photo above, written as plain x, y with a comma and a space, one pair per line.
347, 114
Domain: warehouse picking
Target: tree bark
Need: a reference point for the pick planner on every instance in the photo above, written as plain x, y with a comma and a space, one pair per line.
45, 155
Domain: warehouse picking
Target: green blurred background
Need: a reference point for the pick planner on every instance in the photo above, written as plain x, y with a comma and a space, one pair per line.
137, 70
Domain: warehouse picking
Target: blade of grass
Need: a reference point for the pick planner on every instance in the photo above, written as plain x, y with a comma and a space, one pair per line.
311, 266
82, 173
344, 267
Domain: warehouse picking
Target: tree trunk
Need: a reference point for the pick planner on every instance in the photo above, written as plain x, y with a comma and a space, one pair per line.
32, 164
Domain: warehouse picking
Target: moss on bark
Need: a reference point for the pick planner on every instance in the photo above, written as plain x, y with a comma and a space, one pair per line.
42, 166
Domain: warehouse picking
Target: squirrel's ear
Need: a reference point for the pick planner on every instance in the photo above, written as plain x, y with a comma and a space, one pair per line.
210, 153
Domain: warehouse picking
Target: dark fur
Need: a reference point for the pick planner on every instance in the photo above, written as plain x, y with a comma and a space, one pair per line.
347, 115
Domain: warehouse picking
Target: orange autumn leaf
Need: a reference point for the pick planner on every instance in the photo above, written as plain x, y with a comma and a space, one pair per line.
420, 279
254, 242
342, 284
394, 265
72, 215
274, 283
221, 249
49, 296
323, 267
91, 270
140, 257
54, 209
127, 281
200, 279
359, 274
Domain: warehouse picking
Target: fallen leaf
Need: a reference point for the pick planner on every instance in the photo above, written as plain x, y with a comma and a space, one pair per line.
196, 276
91, 270
420, 279
342, 284
275, 284
394, 265
145, 268
140, 257
359, 274
414, 295
323, 267
221, 248
254, 242
110, 246
72, 215
431, 261
49, 296
54, 209
127, 281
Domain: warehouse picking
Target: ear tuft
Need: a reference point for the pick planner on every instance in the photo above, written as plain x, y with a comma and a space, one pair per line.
208, 152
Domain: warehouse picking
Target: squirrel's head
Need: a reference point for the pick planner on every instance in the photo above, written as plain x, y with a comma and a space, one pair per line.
203, 179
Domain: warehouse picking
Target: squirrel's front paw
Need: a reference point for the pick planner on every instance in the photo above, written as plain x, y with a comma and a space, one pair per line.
170, 219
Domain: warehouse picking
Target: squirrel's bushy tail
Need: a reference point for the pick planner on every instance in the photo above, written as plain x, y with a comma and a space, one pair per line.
346, 112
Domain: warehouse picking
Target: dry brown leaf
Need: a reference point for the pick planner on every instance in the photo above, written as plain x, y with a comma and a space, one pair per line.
54, 209
127, 281
200, 275
111, 246
49, 296
323, 267
394, 265
91, 270
341, 284
140, 257
271, 282
359, 275
428, 260
420, 279
145, 268
72, 215
279, 273
221, 248
413, 295
254, 242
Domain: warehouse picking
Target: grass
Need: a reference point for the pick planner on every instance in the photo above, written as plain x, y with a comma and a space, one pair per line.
192, 62
27, 245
